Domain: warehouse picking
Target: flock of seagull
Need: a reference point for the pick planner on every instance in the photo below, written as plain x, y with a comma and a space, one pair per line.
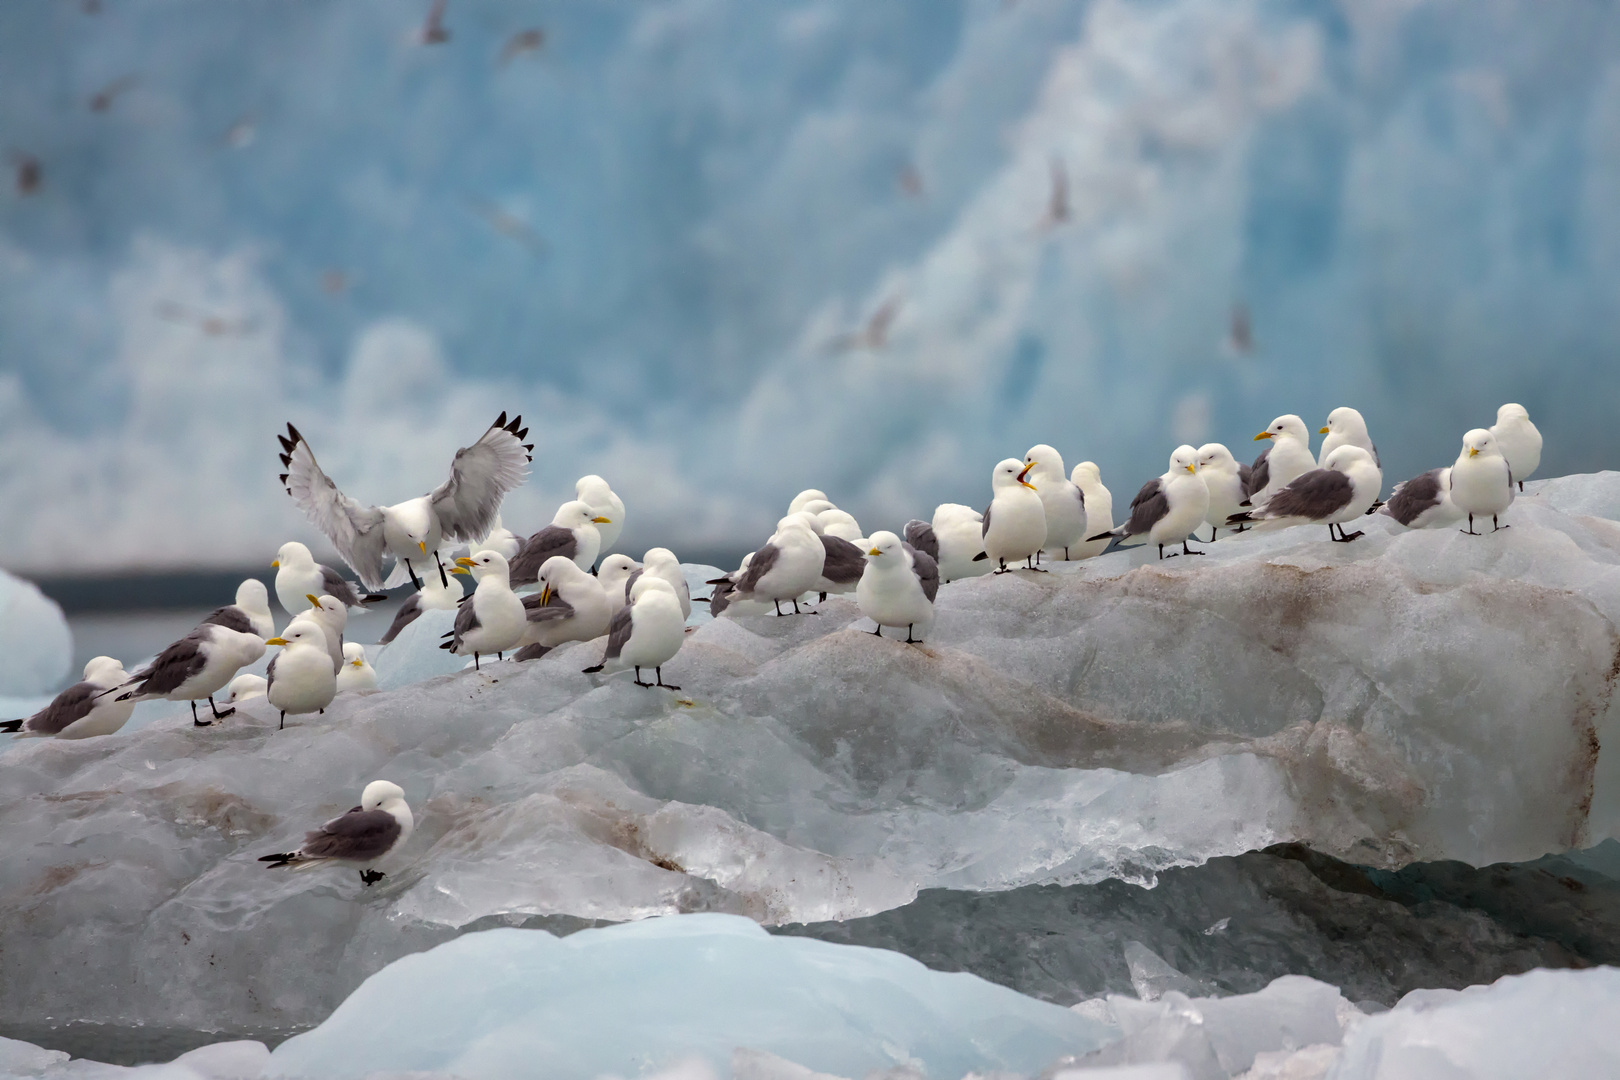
532, 595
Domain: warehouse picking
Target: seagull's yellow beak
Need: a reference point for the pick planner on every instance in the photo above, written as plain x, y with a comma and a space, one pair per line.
314, 600
1025, 473
874, 551
1322, 431
1473, 451
461, 570
464, 561
355, 663
601, 521
545, 595
1262, 435
1192, 468
275, 564
423, 545
275, 641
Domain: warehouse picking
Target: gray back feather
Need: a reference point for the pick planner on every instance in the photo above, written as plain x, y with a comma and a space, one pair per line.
549, 541
1414, 496
926, 569
1259, 474
629, 582
230, 617
618, 633
920, 535
333, 583
359, 836
758, 566
984, 529
70, 705
407, 613
1315, 495
173, 665
843, 562
466, 619
1148, 507
555, 607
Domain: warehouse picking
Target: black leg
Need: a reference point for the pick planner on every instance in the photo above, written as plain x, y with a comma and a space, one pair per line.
217, 714
1003, 563
1470, 530
1212, 531
475, 663
1065, 554
910, 639
196, 722
778, 604
371, 877
879, 630
1241, 528
282, 726
1172, 555
411, 570
660, 673
1521, 485
1185, 550
638, 677
796, 610
823, 599
500, 655
1495, 527
443, 578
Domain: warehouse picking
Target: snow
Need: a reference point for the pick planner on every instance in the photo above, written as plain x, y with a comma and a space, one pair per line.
36, 647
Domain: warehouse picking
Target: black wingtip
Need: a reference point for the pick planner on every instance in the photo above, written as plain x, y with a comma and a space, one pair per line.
11, 726
447, 645
981, 556
373, 598
296, 438
286, 460
592, 670
500, 421
284, 482
279, 859
286, 444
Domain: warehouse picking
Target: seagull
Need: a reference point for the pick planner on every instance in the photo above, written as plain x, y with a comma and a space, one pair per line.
1168, 508
959, 532
1342, 490
1061, 498
808, 495
298, 575
920, 535
333, 618
1518, 440
196, 667
1481, 480
461, 508
841, 562
839, 523
250, 614
365, 835
1015, 521
357, 673
898, 586
1099, 507
491, 620
570, 606
663, 563
1288, 455
300, 678
1345, 427
433, 597
499, 539
788, 566
1223, 478
82, 710
1423, 502
594, 492
647, 632
245, 687
572, 533
614, 574
724, 596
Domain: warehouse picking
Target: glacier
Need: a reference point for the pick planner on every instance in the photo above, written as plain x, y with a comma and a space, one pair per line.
36, 648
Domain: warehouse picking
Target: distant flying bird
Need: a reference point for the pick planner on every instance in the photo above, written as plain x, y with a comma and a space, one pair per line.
433, 29
1240, 335
30, 174
1057, 203
102, 99
524, 41
875, 334
510, 226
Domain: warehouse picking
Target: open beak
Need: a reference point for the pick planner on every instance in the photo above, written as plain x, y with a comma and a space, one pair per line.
275, 564
314, 600
1322, 431
275, 641
423, 545
545, 596
464, 561
1025, 473
1473, 451
1262, 435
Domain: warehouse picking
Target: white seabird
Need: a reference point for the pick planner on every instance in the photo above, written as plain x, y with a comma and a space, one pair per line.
614, 574
357, 673
573, 533
329, 613
1014, 524
1167, 510
363, 837
499, 539
1481, 480
594, 492
432, 597
959, 532
300, 678
83, 710
1518, 440
1345, 427
788, 566
1342, 490
647, 632
1287, 455
1223, 478
1099, 508
808, 495
570, 606
723, 597
1061, 498
662, 562
841, 562
250, 614
838, 523
461, 508
1423, 502
196, 667
245, 687
898, 586
492, 619
920, 535
298, 575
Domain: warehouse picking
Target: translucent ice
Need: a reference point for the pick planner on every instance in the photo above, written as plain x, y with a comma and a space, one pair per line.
35, 645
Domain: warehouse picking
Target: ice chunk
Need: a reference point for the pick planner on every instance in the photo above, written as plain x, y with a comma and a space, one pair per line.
1591, 494
19, 1058
415, 654
1153, 978
629, 998
35, 644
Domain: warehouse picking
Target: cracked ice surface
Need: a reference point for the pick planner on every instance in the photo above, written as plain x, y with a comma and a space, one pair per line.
1409, 696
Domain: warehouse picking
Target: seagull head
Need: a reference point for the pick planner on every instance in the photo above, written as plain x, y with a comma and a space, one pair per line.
1512, 411
293, 556
1009, 474
354, 654
251, 595
379, 792
299, 632
485, 564
1185, 459
1286, 426
1045, 462
243, 687
1347, 457
884, 545
1345, 421
1086, 473
647, 583
1479, 441
1215, 456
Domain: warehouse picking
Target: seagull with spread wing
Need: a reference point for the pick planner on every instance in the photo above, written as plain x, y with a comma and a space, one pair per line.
461, 509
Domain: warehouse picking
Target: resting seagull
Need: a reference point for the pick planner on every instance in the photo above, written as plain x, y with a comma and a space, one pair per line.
462, 508
660, 562
724, 596
491, 620
572, 534
1288, 455
1061, 498
1167, 510
251, 612
1423, 502
357, 673
959, 534
788, 566
614, 574
82, 710
1342, 490
331, 616
595, 493
645, 633
364, 836
298, 575
245, 687
898, 586
808, 495
841, 562
300, 678
1014, 524
1099, 507
920, 535
1223, 478
570, 606
1518, 440
1481, 480
1345, 427
196, 667
499, 539
432, 597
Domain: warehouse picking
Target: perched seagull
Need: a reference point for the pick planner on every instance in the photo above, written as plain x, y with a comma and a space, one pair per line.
245, 687
647, 632
570, 606
1288, 455
1223, 478
499, 539
594, 492
1341, 490
1015, 521
614, 574
724, 596
364, 836
808, 495
1481, 479
920, 535
1423, 502
959, 532
572, 533
432, 597
298, 575
462, 508
332, 617
839, 523
1518, 440
898, 586
82, 710
250, 614
1345, 427
788, 566
300, 678
841, 562
196, 667
1099, 507
1061, 498
1167, 510
491, 620
663, 563
357, 673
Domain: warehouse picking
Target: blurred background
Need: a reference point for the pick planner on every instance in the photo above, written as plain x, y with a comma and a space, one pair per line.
722, 250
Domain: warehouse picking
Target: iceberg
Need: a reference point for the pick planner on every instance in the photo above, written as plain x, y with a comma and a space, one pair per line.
36, 646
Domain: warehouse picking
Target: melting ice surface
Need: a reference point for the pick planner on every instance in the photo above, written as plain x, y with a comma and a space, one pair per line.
1411, 696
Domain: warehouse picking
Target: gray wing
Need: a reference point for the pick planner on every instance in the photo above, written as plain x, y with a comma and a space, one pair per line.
1259, 474
1315, 495
843, 562
355, 530
555, 607
334, 584
270, 674
618, 633
549, 541
466, 619
920, 535
1413, 497
985, 530
927, 571
1376, 461
173, 665
359, 836
1245, 472
763, 560
230, 617
630, 581
70, 705
480, 477
407, 614
1147, 508
720, 598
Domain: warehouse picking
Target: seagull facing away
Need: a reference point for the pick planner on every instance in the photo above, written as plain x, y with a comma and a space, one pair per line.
82, 710
1099, 507
570, 606
462, 508
647, 632
300, 678
1342, 490
357, 673
788, 566
605, 503
573, 533
433, 597
1167, 510
1014, 524
491, 620
250, 614
1481, 480
920, 535
1423, 502
1287, 455
1061, 498
808, 495
662, 562
196, 667
1518, 440
363, 837
898, 585
298, 575
959, 531
499, 539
